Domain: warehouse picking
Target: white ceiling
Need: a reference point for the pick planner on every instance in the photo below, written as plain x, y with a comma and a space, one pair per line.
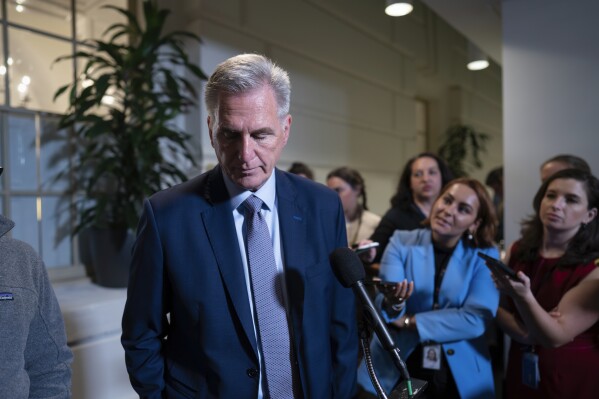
477, 20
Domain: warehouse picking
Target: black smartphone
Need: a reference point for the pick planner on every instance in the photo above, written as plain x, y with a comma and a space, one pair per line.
496, 264
361, 248
383, 286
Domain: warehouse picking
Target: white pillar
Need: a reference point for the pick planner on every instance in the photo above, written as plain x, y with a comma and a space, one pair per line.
551, 93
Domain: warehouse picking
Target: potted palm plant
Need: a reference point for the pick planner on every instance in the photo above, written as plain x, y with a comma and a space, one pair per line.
121, 113
461, 149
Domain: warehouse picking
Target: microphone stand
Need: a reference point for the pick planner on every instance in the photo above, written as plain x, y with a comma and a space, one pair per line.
407, 388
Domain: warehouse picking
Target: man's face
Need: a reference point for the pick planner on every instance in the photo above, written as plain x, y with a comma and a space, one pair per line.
248, 136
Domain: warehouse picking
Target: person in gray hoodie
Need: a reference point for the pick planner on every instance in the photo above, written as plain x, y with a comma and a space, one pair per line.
35, 361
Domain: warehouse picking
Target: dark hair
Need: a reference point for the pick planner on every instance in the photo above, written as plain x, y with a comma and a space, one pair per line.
495, 176
353, 178
584, 246
572, 161
403, 193
299, 168
485, 233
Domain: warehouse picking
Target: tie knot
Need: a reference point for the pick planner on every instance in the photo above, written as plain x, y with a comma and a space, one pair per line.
253, 204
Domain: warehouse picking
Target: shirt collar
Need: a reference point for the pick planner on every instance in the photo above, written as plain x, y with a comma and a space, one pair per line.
267, 193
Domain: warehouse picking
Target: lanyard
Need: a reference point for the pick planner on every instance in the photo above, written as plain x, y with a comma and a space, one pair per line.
438, 280
439, 274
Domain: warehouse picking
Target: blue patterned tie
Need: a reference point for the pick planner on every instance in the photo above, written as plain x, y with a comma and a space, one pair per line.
273, 329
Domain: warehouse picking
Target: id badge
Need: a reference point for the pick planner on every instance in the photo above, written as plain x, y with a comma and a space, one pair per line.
530, 370
431, 357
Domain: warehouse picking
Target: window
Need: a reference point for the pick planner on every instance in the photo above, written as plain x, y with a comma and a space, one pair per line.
33, 34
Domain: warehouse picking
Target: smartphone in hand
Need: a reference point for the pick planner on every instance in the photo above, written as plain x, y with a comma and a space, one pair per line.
497, 265
362, 248
383, 286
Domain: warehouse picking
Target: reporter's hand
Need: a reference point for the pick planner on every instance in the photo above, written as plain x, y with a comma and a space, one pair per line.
369, 255
396, 298
517, 289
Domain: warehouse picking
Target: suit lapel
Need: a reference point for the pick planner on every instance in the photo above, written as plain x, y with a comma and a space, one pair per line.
220, 229
452, 284
292, 226
424, 268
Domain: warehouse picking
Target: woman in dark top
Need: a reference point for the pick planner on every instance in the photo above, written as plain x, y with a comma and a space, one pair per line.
552, 313
418, 188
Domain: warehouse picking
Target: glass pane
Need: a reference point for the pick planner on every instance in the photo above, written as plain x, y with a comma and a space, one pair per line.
2, 70
56, 244
54, 156
34, 77
49, 16
92, 19
21, 143
1, 152
24, 214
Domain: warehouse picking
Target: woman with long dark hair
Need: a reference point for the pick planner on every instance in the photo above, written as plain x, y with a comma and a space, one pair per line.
419, 186
551, 310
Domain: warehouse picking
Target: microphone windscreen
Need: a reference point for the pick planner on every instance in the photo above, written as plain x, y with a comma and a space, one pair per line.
347, 266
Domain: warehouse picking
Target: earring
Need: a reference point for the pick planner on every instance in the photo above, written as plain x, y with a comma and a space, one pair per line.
470, 237
583, 226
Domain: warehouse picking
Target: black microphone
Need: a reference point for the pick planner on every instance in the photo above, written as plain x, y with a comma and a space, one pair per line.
349, 270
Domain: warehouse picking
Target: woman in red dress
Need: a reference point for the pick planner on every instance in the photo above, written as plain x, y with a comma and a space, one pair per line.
551, 310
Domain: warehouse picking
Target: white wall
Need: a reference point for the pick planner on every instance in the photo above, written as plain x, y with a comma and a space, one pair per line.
356, 74
551, 92
92, 316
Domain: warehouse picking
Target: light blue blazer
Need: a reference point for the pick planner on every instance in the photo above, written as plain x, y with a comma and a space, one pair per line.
468, 300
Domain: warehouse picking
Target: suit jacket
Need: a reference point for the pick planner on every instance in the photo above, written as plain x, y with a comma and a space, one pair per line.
468, 300
187, 326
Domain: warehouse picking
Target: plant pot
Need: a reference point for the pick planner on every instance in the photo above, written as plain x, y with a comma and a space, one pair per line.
85, 257
110, 251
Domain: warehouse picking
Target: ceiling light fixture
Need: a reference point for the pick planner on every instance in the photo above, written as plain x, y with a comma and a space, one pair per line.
398, 8
477, 60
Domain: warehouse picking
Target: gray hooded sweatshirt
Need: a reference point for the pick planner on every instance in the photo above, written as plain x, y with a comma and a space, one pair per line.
34, 356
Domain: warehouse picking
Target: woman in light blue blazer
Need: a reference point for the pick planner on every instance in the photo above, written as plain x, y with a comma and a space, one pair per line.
440, 331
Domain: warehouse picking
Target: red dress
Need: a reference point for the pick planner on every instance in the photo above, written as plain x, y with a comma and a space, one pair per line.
572, 370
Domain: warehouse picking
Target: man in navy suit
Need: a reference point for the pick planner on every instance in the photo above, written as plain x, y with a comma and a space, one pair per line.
189, 327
